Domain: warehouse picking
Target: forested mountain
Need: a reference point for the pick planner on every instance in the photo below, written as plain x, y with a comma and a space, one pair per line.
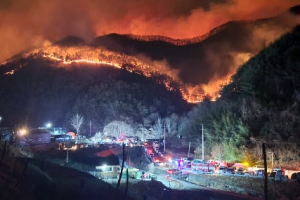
209, 59
268, 86
34, 91
216, 53
260, 105
144, 94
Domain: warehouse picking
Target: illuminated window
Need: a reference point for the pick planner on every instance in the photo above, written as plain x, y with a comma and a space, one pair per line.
108, 169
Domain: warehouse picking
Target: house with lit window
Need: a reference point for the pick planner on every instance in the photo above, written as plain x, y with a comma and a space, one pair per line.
34, 137
106, 167
101, 163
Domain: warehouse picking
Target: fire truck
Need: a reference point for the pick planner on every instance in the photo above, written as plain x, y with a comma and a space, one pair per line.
202, 165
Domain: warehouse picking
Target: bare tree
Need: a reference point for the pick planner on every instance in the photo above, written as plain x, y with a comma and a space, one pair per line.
218, 151
168, 125
118, 129
183, 126
171, 125
76, 121
141, 132
158, 128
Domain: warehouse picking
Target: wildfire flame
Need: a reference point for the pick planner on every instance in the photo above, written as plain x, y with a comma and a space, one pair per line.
99, 56
177, 42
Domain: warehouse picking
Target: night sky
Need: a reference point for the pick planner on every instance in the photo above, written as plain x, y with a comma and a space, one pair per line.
24, 23
31, 23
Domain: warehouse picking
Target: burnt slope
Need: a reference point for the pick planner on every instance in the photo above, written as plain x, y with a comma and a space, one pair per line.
39, 90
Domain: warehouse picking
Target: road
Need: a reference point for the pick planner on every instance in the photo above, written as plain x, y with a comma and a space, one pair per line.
177, 184
186, 190
173, 189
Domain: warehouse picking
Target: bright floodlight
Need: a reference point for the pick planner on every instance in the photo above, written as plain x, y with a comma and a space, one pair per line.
22, 132
48, 125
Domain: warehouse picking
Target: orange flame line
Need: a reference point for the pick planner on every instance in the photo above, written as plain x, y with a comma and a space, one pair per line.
69, 55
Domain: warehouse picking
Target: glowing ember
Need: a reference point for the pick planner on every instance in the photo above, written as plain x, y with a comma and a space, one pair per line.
10, 72
177, 42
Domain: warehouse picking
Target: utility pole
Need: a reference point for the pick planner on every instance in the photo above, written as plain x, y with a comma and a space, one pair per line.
90, 127
272, 159
67, 160
189, 149
164, 138
202, 143
265, 171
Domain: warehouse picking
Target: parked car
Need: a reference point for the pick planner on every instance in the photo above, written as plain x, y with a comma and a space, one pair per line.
280, 176
256, 168
272, 176
155, 144
162, 154
198, 164
275, 169
156, 150
296, 177
260, 173
156, 159
159, 163
230, 170
222, 169
247, 173
187, 162
240, 171
174, 171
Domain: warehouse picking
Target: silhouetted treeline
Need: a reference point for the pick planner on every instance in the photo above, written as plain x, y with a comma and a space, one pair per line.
39, 91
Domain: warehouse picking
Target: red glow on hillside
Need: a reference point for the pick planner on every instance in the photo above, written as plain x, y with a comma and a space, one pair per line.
25, 24
98, 57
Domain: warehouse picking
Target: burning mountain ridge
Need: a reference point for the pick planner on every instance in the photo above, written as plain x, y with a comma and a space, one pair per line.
197, 66
177, 42
66, 55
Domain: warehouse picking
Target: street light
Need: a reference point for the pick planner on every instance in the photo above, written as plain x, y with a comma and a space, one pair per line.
22, 132
104, 171
272, 157
48, 125
202, 142
164, 138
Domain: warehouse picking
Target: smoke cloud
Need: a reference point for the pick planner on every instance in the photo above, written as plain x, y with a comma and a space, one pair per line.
29, 23
26, 23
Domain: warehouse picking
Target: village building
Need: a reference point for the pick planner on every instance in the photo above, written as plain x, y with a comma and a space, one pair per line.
35, 137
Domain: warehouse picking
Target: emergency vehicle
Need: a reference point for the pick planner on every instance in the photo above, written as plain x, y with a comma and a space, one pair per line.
202, 165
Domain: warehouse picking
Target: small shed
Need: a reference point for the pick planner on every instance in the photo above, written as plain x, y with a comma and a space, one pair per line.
36, 136
106, 171
105, 166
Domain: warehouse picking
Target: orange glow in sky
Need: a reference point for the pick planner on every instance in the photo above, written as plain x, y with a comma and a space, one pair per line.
27, 24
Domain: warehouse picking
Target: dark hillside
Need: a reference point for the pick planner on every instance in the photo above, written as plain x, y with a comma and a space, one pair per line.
39, 90
261, 104
273, 76
28, 178
266, 94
